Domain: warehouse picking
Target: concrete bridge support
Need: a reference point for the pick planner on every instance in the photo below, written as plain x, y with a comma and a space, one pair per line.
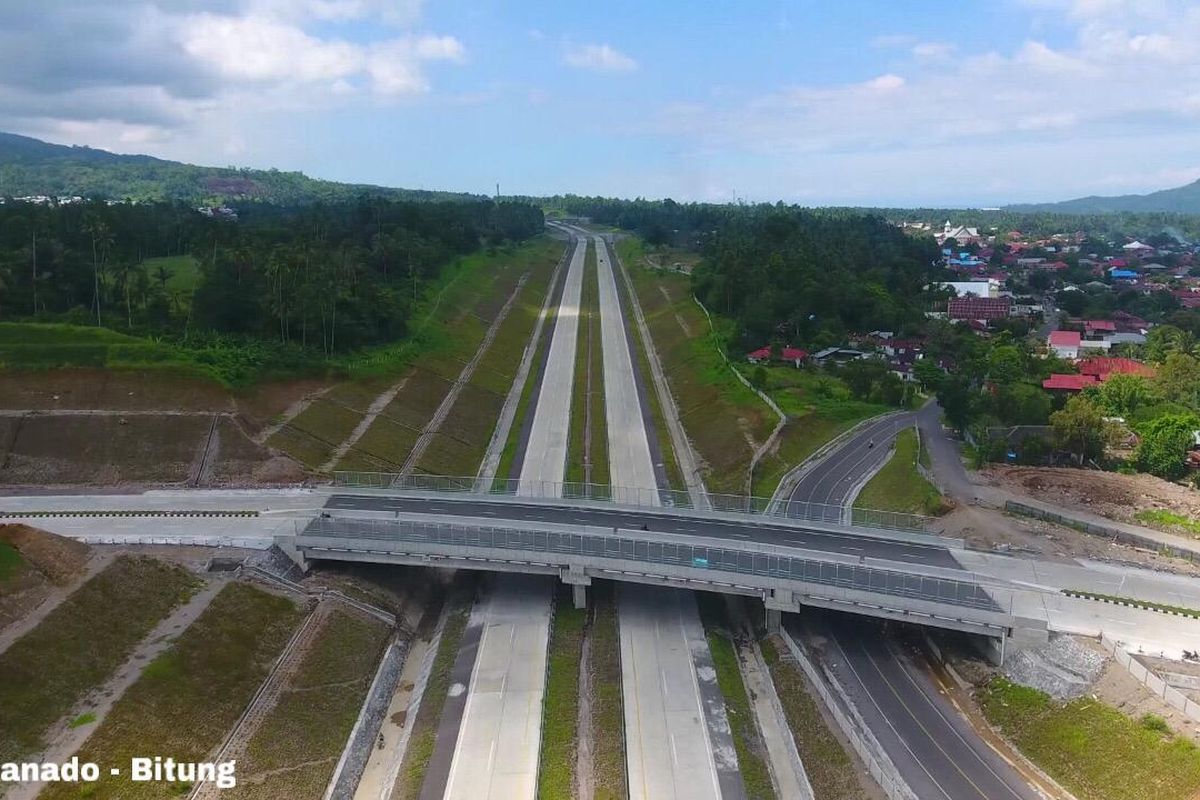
578, 581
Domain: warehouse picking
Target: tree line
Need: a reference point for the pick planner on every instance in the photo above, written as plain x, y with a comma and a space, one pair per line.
327, 277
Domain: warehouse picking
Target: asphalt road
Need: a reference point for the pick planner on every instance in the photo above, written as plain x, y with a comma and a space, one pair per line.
832, 481
750, 531
930, 743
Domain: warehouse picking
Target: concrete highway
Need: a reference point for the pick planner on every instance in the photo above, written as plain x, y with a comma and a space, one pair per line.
630, 463
931, 744
499, 739
545, 455
671, 734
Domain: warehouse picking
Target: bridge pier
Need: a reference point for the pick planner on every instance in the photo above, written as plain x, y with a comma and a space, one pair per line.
575, 577
774, 621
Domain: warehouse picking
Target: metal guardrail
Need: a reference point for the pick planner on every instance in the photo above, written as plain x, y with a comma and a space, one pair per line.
627, 496
763, 561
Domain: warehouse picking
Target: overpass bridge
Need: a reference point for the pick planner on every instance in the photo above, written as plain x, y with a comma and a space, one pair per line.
785, 562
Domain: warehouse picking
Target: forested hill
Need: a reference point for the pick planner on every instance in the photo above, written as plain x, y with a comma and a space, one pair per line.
30, 167
1180, 200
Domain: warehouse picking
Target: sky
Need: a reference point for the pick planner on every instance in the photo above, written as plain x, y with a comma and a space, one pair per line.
920, 103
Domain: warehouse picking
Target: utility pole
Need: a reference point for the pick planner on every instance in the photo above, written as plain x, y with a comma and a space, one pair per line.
35, 303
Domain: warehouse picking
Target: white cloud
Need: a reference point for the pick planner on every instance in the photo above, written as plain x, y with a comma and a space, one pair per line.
1041, 118
158, 66
599, 58
933, 50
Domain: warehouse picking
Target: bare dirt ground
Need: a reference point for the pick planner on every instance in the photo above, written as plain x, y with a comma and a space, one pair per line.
1109, 494
988, 529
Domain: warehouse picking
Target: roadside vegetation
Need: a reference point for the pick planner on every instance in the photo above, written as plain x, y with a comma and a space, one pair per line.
425, 367
1170, 521
899, 486
295, 750
79, 644
560, 705
724, 420
1093, 750
831, 770
751, 752
607, 700
587, 446
423, 738
188, 698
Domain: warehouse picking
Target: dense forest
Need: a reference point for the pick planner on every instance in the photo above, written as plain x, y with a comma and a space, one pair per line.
327, 278
30, 167
782, 273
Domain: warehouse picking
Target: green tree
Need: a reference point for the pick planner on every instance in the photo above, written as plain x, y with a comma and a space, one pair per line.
1079, 429
1179, 379
1023, 404
929, 374
1163, 443
1006, 365
1123, 394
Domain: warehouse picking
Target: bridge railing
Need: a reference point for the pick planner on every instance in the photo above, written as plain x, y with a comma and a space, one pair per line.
628, 496
748, 558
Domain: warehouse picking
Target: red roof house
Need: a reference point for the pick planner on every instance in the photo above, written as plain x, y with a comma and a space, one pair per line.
1069, 383
793, 354
1102, 367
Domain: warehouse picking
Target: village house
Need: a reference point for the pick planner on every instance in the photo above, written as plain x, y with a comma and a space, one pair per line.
979, 309
787, 355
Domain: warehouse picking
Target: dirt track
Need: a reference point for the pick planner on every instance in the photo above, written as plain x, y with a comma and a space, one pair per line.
1110, 494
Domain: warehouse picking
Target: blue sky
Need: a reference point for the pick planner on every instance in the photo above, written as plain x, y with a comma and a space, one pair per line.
863, 103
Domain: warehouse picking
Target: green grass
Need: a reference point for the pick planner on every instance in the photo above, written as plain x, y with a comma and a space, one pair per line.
299, 742
10, 562
830, 768
746, 741
608, 702
79, 644
583, 403
189, 697
1169, 521
560, 706
424, 731
1093, 750
81, 720
899, 486
182, 273
717, 411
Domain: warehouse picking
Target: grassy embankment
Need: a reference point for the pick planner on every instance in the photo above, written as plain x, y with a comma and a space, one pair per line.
607, 700
1092, 749
898, 486
188, 698
453, 324
79, 644
724, 419
294, 752
560, 705
588, 406
830, 768
751, 751
11, 564
424, 730
466, 314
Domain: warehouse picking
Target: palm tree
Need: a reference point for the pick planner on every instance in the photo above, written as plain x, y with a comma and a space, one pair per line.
102, 240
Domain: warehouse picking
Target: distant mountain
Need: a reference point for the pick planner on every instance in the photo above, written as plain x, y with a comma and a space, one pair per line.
1182, 200
32, 167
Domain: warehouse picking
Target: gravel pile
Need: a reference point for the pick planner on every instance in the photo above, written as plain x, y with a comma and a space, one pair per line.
1063, 668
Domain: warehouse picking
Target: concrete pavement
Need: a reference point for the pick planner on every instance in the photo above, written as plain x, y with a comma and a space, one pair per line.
546, 451
666, 738
630, 463
499, 739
